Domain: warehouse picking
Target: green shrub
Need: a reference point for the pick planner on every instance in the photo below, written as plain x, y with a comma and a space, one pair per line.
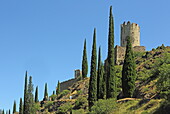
81, 102
63, 93
163, 83
138, 54
53, 97
104, 106
36, 107
48, 104
67, 107
80, 111
118, 71
79, 92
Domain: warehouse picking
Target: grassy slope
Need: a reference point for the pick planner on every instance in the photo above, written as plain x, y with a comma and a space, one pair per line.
147, 99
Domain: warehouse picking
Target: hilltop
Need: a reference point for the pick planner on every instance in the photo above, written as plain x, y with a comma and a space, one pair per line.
146, 97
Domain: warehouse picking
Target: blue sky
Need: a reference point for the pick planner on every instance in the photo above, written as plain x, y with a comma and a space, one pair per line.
46, 37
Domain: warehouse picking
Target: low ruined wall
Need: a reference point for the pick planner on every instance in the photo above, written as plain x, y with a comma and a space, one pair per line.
120, 53
139, 48
66, 84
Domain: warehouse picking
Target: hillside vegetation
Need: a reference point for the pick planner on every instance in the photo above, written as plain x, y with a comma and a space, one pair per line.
151, 94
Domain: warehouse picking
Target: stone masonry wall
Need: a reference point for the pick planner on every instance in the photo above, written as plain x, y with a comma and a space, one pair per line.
132, 30
66, 84
120, 53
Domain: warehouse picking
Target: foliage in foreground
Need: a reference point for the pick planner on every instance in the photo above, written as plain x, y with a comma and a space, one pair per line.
103, 106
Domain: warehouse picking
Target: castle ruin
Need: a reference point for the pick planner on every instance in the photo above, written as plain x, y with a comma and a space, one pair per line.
127, 29
66, 84
132, 30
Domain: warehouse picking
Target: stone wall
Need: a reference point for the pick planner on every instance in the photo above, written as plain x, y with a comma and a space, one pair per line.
66, 84
139, 48
120, 53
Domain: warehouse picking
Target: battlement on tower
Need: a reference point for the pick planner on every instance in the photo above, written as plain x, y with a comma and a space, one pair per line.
130, 25
132, 30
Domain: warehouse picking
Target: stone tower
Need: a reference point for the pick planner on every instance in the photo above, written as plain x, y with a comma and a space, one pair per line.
132, 30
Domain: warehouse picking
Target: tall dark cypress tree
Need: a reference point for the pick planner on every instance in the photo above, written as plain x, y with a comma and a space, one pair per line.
3, 112
129, 71
99, 77
14, 107
9, 111
58, 88
30, 96
103, 82
26, 102
36, 95
111, 78
92, 95
20, 107
45, 92
84, 62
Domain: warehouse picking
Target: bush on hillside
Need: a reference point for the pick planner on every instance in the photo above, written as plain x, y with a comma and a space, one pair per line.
65, 108
53, 97
103, 106
81, 102
63, 93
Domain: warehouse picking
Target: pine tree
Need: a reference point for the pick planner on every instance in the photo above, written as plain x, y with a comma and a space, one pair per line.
30, 96
36, 95
84, 62
45, 92
92, 95
129, 71
99, 77
58, 89
14, 107
111, 78
20, 107
26, 102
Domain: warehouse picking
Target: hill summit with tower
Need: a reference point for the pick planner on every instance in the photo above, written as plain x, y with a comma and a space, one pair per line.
132, 30
127, 29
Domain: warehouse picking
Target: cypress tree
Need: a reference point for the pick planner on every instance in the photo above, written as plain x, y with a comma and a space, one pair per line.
30, 96
3, 112
111, 79
53, 92
99, 77
25, 110
128, 71
45, 92
58, 89
36, 95
103, 82
9, 111
84, 62
14, 107
92, 95
20, 107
